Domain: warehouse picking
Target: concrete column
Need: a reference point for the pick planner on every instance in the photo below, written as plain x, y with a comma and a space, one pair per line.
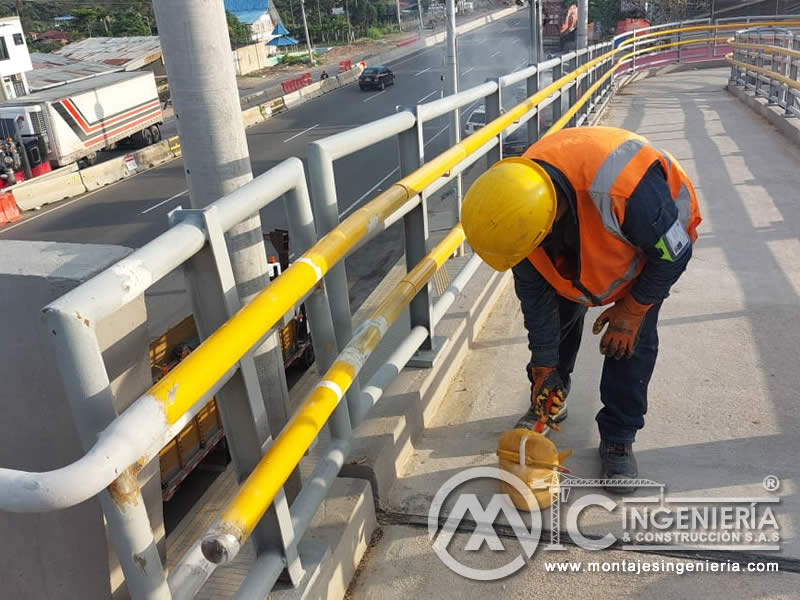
194, 40
61, 554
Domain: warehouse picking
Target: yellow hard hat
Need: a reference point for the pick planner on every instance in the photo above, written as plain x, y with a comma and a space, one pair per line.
508, 211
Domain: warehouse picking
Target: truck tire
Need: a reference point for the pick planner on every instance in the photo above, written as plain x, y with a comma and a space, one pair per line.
156, 132
143, 138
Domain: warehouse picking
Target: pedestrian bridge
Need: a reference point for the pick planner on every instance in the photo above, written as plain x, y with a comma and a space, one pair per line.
406, 398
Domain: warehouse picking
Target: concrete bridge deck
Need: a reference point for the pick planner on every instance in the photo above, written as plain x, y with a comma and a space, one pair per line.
723, 400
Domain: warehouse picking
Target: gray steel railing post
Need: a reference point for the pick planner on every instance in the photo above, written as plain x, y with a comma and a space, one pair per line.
325, 206
758, 60
494, 107
535, 122
680, 54
557, 73
88, 391
212, 289
573, 90
734, 76
789, 97
415, 227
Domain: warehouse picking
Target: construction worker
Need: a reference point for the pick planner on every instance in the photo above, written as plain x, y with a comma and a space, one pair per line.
588, 216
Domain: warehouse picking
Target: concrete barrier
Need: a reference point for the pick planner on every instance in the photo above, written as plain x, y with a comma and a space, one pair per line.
175, 146
106, 173
35, 193
252, 116
154, 155
293, 99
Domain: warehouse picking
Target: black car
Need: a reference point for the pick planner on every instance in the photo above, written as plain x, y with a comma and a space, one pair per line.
516, 143
376, 77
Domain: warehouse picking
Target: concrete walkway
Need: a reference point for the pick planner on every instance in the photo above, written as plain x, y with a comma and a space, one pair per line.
723, 400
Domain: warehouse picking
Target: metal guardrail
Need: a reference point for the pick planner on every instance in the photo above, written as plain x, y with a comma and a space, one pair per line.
765, 61
118, 446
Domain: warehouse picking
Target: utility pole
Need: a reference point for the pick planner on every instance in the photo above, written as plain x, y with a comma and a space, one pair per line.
194, 40
399, 21
305, 28
421, 22
349, 26
583, 24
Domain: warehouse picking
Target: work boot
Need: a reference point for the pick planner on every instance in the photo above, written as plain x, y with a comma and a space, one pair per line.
619, 464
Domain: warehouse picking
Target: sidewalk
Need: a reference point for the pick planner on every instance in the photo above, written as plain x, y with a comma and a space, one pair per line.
723, 400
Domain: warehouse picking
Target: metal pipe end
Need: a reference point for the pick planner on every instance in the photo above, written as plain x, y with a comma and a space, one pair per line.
220, 548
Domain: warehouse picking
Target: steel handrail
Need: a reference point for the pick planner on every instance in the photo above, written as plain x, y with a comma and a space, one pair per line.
175, 394
792, 83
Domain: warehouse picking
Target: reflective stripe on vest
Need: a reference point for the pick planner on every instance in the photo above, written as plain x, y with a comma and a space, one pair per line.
604, 179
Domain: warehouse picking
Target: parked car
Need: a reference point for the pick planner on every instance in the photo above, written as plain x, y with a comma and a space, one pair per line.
376, 77
476, 120
516, 143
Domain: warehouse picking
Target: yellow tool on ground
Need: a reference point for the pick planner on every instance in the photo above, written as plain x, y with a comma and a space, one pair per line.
535, 460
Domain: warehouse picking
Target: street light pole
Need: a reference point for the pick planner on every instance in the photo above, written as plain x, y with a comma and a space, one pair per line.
533, 51
399, 22
421, 22
305, 27
583, 24
451, 87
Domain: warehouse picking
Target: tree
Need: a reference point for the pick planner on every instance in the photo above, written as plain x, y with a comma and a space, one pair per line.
86, 20
129, 24
239, 32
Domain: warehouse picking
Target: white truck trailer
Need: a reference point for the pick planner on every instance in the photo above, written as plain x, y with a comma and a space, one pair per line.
74, 121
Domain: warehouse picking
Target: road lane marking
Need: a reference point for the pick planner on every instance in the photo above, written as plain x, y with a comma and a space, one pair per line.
496, 53
421, 100
520, 65
296, 135
423, 71
163, 202
375, 95
440, 132
468, 70
355, 204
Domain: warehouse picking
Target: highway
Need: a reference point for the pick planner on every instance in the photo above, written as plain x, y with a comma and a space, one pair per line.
132, 212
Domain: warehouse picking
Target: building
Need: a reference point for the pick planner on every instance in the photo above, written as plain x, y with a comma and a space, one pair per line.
54, 36
51, 70
15, 60
260, 15
131, 53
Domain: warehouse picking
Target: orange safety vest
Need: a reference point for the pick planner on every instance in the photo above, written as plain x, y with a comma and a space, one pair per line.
604, 166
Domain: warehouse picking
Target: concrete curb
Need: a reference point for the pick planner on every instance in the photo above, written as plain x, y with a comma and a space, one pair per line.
788, 127
334, 543
384, 441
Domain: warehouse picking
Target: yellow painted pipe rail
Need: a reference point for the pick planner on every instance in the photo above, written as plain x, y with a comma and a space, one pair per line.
260, 488
244, 329
185, 384
587, 94
790, 82
725, 27
767, 48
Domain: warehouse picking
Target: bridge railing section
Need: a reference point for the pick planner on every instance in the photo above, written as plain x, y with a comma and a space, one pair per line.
765, 60
570, 90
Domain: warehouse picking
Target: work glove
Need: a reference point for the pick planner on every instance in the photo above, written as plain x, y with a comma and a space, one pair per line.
624, 322
547, 396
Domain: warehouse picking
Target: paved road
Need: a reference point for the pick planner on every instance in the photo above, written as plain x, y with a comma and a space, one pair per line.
132, 212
